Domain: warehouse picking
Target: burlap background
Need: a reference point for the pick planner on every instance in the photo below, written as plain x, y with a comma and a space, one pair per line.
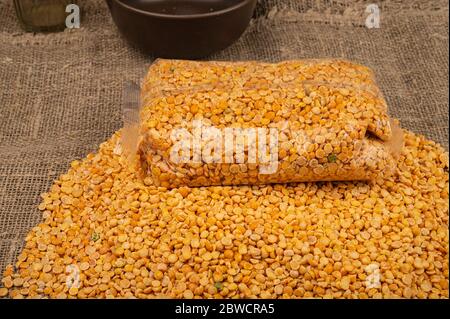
60, 93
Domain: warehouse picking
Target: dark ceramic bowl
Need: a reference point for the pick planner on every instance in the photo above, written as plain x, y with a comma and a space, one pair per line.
184, 29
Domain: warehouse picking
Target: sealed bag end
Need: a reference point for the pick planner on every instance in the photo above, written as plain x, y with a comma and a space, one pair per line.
397, 142
129, 139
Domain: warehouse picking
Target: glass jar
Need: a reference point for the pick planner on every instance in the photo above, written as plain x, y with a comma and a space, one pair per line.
42, 15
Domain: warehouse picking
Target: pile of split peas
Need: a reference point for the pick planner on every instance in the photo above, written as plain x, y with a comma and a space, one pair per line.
106, 233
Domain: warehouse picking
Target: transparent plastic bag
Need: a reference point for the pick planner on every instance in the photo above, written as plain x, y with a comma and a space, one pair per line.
231, 123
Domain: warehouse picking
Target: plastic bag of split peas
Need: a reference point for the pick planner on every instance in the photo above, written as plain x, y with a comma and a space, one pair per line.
232, 123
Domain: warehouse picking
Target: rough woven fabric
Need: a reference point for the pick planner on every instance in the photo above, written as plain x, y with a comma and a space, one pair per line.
60, 93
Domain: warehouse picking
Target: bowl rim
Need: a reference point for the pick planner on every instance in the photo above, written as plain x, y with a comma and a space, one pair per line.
185, 16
